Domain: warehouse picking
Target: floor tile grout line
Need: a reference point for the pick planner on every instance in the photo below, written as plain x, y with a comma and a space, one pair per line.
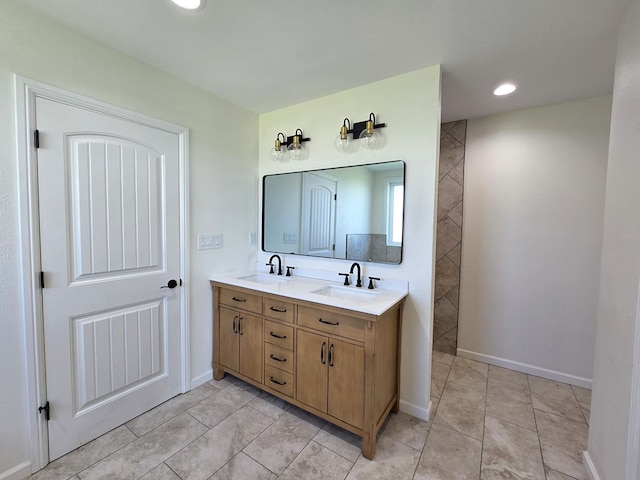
579, 405
562, 416
330, 449
511, 423
174, 472
484, 420
535, 419
105, 457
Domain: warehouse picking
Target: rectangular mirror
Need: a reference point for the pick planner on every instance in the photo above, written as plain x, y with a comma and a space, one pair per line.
351, 213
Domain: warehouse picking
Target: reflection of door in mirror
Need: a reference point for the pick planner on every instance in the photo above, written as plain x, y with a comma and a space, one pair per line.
318, 215
365, 223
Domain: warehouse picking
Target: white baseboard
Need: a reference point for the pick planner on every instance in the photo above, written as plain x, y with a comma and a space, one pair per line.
415, 411
202, 379
589, 466
19, 472
526, 368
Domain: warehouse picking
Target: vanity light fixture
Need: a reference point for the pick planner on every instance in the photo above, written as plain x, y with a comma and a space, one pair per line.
342, 142
278, 152
289, 145
365, 131
504, 89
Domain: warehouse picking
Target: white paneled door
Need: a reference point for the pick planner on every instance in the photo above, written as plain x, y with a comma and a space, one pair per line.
109, 201
318, 215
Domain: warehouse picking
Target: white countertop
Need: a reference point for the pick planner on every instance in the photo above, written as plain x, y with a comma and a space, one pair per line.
375, 302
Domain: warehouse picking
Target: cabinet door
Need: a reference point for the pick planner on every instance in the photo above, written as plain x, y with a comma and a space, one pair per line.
311, 376
346, 382
250, 335
228, 338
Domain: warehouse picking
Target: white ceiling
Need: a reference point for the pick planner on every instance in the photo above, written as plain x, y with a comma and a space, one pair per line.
267, 54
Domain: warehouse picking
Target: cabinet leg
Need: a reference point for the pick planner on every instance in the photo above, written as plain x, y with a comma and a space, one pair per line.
368, 446
218, 373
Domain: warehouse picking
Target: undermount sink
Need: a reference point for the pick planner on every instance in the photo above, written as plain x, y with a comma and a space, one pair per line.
345, 293
265, 279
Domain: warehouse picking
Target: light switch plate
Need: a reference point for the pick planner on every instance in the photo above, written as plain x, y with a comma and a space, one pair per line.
290, 238
207, 241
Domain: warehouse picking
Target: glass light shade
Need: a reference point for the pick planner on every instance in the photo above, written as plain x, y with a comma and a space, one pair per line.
345, 145
278, 155
369, 138
296, 151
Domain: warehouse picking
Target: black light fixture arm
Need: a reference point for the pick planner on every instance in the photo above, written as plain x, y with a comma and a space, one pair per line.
289, 140
358, 127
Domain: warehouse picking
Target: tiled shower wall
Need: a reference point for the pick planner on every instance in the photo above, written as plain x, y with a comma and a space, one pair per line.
449, 236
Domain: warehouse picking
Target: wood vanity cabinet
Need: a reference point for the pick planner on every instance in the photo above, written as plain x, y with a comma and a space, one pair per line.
331, 376
338, 364
240, 334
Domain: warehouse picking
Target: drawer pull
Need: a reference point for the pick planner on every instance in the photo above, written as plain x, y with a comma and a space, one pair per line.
236, 299
273, 357
278, 310
328, 323
273, 380
275, 335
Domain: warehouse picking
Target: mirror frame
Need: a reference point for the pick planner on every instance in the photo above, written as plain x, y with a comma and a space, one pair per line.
328, 170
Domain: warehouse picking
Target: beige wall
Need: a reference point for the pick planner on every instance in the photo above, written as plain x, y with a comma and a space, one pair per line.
533, 210
614, 432
409, 105
223, 183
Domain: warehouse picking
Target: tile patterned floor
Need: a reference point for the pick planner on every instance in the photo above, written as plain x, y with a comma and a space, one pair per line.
490, 423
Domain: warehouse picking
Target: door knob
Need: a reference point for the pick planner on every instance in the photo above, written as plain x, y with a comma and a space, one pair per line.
170, 284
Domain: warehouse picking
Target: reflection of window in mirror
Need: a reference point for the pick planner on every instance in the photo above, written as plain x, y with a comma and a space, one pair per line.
395, 199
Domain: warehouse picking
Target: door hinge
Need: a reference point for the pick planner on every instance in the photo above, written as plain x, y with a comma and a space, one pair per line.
47, 411
335, 196
41, 279
333, 247
36, 138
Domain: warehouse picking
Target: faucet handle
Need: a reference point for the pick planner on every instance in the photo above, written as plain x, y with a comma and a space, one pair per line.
289, 271
371, 279
346, 278
270, 265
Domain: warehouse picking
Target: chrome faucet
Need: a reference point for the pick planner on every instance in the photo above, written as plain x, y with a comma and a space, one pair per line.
359, 281
270, 264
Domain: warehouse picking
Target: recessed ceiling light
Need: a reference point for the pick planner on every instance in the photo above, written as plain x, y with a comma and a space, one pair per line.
190, 4
505, 89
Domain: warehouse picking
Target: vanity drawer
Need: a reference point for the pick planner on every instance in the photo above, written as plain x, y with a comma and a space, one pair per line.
278, 334
278, 357
278, 380
241, 299
331, 322
278, 309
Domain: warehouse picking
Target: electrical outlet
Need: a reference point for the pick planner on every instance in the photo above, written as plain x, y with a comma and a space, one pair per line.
207, 241
252, 238
290, 238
